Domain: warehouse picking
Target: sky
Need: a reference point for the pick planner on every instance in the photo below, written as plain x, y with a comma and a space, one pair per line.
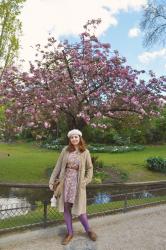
64, 19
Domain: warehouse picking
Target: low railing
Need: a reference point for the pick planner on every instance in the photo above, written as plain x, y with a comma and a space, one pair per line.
15, 216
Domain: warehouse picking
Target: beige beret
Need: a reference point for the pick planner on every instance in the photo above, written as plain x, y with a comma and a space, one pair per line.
74, 132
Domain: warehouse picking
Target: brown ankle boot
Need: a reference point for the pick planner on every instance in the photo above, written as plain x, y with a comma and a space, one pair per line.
67, 239
92, 235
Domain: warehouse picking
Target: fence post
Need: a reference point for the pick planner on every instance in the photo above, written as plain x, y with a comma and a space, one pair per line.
125, 204
45, 214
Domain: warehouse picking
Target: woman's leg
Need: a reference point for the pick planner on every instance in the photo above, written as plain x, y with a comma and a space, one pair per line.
84, 220
68, 217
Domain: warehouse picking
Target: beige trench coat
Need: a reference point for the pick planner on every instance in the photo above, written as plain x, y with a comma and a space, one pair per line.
85, 174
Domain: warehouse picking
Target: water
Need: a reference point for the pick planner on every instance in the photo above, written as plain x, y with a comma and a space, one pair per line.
12, 197
102, 198
13, 203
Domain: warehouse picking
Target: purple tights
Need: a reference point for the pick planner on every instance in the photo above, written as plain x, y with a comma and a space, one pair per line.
84, 220
68, 218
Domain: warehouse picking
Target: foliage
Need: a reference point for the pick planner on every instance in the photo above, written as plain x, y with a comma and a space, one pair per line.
145, 131
157, 129
57, 145
1, 121
10, 29
109, 136
114, 149
54, 144
98, 173
157, 164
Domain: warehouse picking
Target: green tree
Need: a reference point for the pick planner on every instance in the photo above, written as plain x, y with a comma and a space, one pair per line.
10, 30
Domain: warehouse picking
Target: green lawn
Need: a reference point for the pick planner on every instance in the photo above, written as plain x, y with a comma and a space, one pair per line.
133, 163
27, 163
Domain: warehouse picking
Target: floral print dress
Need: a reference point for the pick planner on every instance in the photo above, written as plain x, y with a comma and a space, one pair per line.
71, 177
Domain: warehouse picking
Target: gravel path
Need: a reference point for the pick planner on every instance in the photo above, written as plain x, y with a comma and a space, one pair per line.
143, 229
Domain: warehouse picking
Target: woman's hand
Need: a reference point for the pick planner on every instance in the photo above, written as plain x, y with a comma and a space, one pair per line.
51, 187
83, 183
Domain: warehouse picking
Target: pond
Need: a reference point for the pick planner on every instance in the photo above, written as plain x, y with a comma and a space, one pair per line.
15, 197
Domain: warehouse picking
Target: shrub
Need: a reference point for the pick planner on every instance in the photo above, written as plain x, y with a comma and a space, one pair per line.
56, 144
99, 148
94, 148
156, 164
99, 173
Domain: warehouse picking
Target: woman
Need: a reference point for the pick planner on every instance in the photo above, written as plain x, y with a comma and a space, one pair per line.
75, 170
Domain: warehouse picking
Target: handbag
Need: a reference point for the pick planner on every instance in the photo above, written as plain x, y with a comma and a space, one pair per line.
57, 187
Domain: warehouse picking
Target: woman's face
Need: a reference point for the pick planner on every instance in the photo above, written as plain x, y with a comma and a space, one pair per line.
75, 139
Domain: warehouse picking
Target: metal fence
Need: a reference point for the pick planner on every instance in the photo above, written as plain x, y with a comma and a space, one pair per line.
42, 214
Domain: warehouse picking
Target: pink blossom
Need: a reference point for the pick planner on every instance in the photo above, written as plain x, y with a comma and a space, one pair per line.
143, 111
47, 124
8, 111
98, 114
38, 137
30, 124
93, 125
49, 101
78, 81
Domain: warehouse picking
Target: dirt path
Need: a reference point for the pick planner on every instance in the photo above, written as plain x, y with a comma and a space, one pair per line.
143, 229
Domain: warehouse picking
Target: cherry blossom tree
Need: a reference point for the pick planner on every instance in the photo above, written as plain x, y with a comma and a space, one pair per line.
85, 82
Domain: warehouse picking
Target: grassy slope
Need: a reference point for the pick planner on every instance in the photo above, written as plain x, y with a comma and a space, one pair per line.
134, 163
27, 163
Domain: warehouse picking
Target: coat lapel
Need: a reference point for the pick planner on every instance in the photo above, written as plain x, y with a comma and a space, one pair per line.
64, 162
